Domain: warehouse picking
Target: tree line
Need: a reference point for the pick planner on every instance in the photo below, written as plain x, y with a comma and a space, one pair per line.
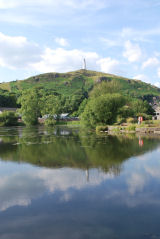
102, 106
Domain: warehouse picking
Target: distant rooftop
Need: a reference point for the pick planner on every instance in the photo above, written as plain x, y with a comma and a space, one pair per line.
7, 109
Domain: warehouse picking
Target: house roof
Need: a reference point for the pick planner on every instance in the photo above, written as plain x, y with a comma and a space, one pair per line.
64, 114
157, 109
7, 109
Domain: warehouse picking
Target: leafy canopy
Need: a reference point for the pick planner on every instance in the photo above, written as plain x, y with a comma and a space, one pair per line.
30, 106
102, 109
8, 118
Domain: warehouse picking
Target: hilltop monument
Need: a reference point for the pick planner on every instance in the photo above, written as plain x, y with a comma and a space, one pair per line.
84, 64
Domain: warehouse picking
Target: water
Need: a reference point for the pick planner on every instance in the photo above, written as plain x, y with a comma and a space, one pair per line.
63, 183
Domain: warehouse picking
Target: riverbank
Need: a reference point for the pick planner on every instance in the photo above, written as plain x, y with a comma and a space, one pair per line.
153, 128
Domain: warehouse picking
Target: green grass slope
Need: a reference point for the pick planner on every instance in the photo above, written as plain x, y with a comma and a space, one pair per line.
69, 83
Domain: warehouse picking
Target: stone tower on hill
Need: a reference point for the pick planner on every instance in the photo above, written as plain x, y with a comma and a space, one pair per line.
84, 64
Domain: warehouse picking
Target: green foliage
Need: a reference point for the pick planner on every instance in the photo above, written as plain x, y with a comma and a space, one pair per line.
102, 109
120, 119
139, 106
51, 105
135, 108
145, 116
116, 129
131, 127
50, 122
7, 99
75, 86
74, 123
75, 151
8, 118
55, 93
131, 120
101, 128
30, 106
82, 107
126, 110
105, 88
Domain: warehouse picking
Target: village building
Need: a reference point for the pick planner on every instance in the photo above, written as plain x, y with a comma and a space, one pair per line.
2, 109
157, 113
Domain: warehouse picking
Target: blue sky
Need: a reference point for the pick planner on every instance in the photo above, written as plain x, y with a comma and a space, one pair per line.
115, 36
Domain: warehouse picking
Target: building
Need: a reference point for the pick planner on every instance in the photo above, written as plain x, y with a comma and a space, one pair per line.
157, 113
2, 109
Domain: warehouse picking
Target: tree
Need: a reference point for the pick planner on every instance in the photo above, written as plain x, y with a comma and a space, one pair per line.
52, 105
105, 88
139, 106
102, 110
30, 106
8, 118
82, 106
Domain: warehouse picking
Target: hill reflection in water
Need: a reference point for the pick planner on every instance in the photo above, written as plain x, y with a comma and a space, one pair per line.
66, 147
66, 183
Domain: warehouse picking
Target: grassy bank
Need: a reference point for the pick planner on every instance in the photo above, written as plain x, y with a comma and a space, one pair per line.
74, 123
145, 126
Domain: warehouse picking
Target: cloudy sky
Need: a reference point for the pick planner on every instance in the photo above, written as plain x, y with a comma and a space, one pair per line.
115, 36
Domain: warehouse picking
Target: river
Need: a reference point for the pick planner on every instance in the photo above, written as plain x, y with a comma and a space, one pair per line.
69, 183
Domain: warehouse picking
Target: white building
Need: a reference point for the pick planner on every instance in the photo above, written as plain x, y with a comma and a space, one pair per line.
157, 113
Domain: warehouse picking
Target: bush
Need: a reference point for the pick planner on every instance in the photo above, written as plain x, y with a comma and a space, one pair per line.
50, 122
131, 127
145, 116
8, 118
102, 110
101, 128
120, 119
116, 129
130, 120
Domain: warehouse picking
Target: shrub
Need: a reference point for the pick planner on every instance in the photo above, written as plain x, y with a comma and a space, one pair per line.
131, 127
130, 120
145, 116
50, 122
116, 129
120, 120
102, 110
8, 118
101, 128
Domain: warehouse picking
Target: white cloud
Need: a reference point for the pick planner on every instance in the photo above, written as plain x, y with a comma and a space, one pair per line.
153, 61
108, 65
18, 52
109, 42
61, 41
31, 183
61, 60
6, 4
75, 4
157, 84
132, 52
136, 183
139, 35
142, 77
158, 72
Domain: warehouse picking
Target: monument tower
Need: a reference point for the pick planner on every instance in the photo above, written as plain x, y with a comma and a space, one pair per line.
84, 64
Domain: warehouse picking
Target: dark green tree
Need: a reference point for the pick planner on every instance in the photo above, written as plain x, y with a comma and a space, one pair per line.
30, 106
102, 110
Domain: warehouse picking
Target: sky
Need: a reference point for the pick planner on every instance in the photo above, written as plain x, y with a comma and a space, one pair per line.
114, 36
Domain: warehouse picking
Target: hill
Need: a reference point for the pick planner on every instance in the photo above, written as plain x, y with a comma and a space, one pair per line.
80, 82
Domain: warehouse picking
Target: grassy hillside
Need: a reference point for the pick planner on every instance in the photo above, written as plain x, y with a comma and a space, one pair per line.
70, 83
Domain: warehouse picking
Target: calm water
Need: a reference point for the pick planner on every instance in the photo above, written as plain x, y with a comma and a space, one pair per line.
65, 183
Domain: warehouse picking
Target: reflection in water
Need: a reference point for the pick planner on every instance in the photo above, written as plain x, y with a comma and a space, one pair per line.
67, 183
54, 148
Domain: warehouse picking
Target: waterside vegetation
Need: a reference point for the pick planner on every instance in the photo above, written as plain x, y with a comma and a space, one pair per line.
98, 99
